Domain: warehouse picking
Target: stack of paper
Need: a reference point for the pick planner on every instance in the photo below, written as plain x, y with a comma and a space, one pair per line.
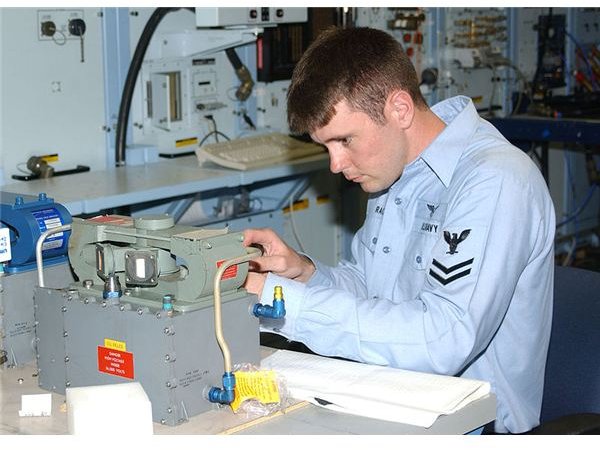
379, 392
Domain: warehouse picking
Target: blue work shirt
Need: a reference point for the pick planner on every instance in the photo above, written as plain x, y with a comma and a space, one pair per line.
451, 272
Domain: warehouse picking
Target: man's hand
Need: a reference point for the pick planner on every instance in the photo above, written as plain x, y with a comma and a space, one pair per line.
255, 283
277, 257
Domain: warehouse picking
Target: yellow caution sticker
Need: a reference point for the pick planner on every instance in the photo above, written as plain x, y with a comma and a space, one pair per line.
115, 345
185, 142
297, 205
323, 199
259, 385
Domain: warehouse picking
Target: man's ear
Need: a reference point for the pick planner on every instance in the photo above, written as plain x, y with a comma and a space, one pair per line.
400, 108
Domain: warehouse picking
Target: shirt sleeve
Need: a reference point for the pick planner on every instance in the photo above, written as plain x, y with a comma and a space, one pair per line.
495, 226
348, 275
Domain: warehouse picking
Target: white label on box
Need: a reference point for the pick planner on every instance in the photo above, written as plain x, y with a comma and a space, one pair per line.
5, 245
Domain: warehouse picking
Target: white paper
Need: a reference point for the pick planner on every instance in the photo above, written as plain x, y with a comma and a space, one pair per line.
36, 405
373, 391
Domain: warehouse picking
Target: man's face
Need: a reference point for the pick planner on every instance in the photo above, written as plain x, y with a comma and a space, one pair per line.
365, 152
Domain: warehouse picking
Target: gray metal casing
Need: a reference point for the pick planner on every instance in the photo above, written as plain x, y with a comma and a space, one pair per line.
176, 359
17, 331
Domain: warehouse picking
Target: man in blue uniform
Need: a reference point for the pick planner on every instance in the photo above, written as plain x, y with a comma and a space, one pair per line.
452, 270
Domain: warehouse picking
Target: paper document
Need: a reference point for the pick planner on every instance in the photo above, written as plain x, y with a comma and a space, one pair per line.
379, 392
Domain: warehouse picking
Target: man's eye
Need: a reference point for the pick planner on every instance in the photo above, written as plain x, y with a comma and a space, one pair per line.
346, 141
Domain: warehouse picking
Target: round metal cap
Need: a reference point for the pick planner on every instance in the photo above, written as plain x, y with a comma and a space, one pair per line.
154, 222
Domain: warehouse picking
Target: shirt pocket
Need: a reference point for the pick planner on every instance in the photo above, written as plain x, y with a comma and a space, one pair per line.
368, 234
418, 250
425, 232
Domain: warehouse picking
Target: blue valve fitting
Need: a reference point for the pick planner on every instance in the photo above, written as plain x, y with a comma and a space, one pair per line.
226, 394
277, 311
168, 304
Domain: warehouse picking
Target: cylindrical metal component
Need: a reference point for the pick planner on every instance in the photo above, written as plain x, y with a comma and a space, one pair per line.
168, 304
278, 293
112, 287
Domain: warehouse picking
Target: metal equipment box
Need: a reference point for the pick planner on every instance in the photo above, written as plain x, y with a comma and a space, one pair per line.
17, 332
85, 340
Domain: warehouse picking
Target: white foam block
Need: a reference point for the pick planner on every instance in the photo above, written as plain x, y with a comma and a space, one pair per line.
125, 406
36, 405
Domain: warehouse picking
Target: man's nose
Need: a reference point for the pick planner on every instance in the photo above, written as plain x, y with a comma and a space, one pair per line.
336, 161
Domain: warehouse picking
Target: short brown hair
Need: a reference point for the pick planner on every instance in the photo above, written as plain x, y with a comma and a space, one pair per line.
359, 65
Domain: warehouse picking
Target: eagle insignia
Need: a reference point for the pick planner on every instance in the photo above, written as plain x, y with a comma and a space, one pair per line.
454, 239
432, 209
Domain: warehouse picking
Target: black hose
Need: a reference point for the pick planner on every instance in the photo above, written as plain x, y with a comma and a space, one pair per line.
234, 59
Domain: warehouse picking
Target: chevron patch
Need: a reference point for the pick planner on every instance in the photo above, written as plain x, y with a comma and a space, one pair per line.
446, 275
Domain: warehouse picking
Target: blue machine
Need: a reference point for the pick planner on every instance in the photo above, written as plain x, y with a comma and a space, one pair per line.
27, 217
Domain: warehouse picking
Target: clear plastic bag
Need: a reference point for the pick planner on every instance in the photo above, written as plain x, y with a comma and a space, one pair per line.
253, 407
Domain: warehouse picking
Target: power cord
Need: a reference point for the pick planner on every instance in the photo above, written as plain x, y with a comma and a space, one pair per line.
215, 133
292, 219
495, 61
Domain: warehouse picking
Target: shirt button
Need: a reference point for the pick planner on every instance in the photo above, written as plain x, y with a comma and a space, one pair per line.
419, 259
398, 201
424, 307
374, 240
386, 249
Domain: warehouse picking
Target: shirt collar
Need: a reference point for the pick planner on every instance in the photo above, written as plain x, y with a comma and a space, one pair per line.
443, 153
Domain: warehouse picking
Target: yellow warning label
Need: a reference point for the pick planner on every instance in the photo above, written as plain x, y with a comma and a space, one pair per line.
186, 142
115, 345
323, 199
298, 205
477, 99
260, 385
50, 158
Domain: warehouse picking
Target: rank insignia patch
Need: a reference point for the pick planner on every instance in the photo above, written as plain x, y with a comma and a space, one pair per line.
452, 273
453, 240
